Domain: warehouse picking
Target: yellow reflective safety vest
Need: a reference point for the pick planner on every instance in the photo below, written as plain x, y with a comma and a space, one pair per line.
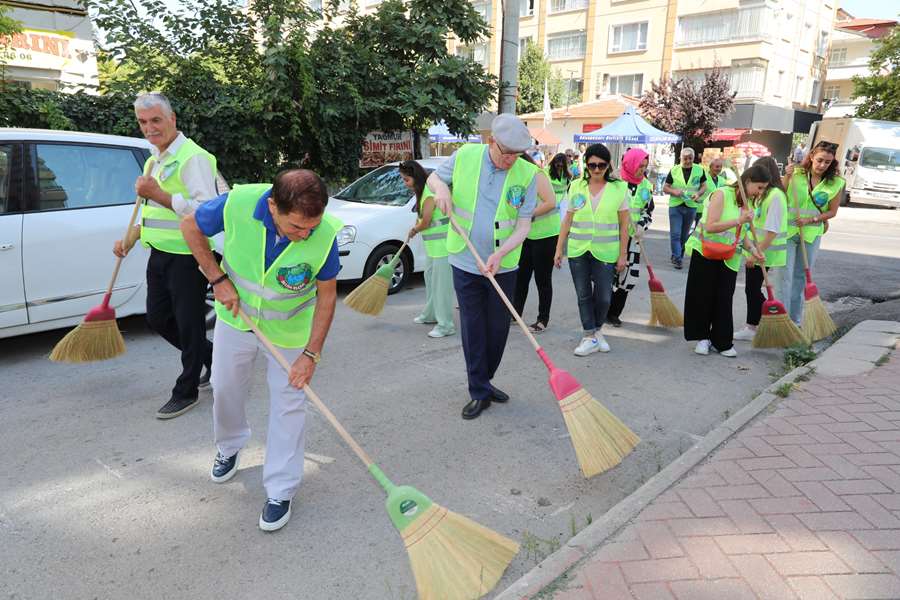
691, 185
547, 224
160, 226
730, 211
776, 253
595, 230
280, 300
435, 236
712, 186
466, 175
810, 205
641, 197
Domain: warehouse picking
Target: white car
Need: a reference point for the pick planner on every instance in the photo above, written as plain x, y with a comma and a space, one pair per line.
378, 211
65, 197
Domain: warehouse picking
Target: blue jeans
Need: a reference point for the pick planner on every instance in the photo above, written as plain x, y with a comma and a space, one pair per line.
593, 281
793, 277
680, 220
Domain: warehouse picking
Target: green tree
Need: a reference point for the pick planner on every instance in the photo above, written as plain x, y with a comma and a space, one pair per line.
8, 28
881, 89
534, 70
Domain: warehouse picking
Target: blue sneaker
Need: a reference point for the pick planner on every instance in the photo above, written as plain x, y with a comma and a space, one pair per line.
275, 514
224, 468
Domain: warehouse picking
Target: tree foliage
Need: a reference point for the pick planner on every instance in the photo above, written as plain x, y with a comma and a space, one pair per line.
8, 28
690, 109
534, 70
881, 89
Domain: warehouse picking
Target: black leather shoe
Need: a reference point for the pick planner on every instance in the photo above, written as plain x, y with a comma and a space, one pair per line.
175, 406
474, 408
204, 378
498, 395
614, 321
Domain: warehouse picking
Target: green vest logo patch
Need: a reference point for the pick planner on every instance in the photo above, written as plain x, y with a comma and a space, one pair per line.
820, 198
645, 194
578, 201
695, 180
515, 196
295, 278
167, 170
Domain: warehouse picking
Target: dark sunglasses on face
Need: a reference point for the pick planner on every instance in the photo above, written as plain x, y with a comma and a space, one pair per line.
597, 166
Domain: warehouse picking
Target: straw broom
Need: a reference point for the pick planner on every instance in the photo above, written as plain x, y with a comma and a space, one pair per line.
600, 439
369, 297
662, 310
98, 336
452, 557
776, 330
817, 323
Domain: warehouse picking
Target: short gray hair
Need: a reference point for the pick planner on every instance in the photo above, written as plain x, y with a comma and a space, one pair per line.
688, 152
152, 100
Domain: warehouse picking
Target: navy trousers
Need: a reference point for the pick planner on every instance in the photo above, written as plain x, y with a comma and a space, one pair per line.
484, 325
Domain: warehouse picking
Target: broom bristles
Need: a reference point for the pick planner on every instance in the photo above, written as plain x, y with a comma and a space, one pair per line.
369, 297
600, 439
817, 323
455, 558
90, 341
663, 311
777, 331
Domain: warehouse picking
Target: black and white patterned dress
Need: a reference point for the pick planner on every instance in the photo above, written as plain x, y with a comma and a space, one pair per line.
627, 278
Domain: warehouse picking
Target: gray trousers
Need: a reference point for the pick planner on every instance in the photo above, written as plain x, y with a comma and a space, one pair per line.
234, 353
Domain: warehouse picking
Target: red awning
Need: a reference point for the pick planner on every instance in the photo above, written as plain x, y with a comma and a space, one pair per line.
728, 135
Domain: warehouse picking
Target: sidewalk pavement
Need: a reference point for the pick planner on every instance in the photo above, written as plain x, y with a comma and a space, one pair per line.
803, 502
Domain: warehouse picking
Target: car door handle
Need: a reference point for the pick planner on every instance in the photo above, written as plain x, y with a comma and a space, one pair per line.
6, 246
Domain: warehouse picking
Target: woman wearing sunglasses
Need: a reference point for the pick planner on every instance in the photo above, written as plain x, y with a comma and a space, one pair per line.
814, 188
595, 230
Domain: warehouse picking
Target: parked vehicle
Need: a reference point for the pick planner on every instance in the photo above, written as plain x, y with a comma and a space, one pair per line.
869, 152
377, 211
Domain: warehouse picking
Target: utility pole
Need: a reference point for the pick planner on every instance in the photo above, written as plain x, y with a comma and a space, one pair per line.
509, 57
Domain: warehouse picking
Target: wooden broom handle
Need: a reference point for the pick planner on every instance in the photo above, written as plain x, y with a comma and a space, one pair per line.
753, 233
496, 285
357, 449
119, 259
644, 254
800, 227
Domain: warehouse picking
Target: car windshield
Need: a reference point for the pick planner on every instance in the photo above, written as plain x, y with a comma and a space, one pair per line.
382, 186
880, 158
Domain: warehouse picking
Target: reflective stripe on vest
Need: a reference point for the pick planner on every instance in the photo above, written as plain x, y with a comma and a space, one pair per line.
730, 212
679, 183
466, 177
600, 234
434, 237
776, 253
547, 225
160, 226
798, 193
641, 197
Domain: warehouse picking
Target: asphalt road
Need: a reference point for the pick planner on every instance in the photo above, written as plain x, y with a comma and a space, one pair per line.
98, 499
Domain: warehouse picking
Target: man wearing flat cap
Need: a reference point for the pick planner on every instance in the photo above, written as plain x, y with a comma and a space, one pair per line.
492, 197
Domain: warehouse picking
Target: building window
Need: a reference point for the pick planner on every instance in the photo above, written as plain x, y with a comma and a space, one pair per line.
779, 84
628, 38
748, 78
724, 26
564, 5
523, 43
629, 85
526, 8
798, 89
483, 8
569, 44
822, 48
838, 57
477, 53
814, 97
832, 92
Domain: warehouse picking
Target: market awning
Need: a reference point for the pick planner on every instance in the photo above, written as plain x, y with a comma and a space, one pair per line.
544, 137
439, 133
729, 135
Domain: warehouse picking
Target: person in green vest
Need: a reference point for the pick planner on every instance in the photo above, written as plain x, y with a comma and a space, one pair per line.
280, 264
595, 233
539, 246
640, 201
493, 197
711, 280
818, 189
770, 219
433, 225
715, 179
178, 177
685, 184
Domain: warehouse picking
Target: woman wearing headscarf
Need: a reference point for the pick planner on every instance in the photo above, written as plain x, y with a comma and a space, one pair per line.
640, 200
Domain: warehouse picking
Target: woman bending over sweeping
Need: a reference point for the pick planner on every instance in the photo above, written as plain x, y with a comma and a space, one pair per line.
540, 245
715, 262
640, 195
817, 188
595, 230
770, 219
433, 225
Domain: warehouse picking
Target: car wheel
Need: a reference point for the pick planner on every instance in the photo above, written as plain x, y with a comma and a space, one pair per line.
210, 308
382, 256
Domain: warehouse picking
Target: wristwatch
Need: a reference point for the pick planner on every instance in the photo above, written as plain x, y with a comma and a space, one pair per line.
315, 356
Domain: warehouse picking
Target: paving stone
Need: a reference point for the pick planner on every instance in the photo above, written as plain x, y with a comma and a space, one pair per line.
663, 569
751, 544
658, 540
811, 588
793, 531
733, 589
757, 572
857, 486
808, 563
865, 587
851, 552
823, 497
708, 557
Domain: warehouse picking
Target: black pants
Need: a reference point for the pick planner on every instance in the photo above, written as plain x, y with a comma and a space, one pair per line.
755, 297
617, 304
537, 258
484, 325
707, 302
176, 310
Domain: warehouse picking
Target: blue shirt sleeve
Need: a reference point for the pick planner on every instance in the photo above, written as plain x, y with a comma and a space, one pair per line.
210, 216
332, 264
445, 169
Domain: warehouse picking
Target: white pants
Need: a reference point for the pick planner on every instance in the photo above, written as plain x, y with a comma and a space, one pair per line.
234, 352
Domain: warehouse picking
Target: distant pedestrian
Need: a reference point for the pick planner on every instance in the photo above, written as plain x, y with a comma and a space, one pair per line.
797, 155
433, 225
685, 185
715, 179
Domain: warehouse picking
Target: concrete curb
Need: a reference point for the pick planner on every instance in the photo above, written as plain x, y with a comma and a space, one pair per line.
872, 333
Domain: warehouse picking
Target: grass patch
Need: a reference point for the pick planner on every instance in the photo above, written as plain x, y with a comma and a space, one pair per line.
537, 548
798, 355
784, 390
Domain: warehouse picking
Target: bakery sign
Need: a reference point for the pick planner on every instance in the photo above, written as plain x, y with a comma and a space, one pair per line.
41, 49
381, 147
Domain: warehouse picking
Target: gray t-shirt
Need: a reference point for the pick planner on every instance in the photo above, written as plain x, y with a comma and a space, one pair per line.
490, 187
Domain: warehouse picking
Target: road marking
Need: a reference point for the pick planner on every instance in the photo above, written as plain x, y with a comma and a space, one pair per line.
109, 469
562, 509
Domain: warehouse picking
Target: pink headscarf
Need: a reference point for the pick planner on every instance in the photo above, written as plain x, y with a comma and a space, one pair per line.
631, 166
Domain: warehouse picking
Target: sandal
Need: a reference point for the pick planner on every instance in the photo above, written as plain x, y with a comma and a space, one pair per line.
537, 327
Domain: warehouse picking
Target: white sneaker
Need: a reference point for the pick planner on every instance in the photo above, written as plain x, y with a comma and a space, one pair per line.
421, 320
745, 335
437, 332
604, 347
588, 345
730, 353
702, 347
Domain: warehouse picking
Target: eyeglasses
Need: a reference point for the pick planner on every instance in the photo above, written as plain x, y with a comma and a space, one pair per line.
505, 152
597, 166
